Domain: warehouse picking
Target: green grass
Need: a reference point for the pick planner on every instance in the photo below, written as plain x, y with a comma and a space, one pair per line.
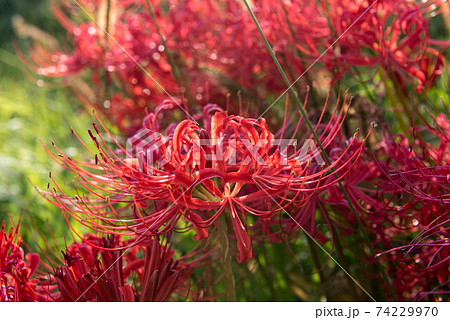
30, 114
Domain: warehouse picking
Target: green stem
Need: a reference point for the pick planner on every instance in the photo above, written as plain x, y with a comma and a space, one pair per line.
299, 54
266, 273
402, 99
108, 12
210, 287
107, 73
291, 74
368, 94
266, 277
315, 258
316, 138
340, 250
402, 122
230, 287
179, 77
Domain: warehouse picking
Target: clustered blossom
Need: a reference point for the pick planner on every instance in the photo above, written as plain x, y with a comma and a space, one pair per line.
200, 39
355, 172
240, 172
204, 49
364, 34
94, 272
417, 175
401, 194
16, 269
387, 34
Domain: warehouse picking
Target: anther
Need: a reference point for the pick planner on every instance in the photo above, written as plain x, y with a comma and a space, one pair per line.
90, 133
96, 127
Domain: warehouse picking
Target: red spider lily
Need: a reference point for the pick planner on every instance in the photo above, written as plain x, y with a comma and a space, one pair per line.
327, 216
395, 35
16, 270
402, 192
352, 174
84, 277
242, 172
418, 176
388, 34
222, 35
125, 88
295, 29
426, 259
420, 270
91, 273
208, 49
413, 189
420, 170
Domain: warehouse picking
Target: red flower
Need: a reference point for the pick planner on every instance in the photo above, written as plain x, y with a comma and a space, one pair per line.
402, 196
387, 34
240, 171
209, 49
393, 35
16, 270
94, 272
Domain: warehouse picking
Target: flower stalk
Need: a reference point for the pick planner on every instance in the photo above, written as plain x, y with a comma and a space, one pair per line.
230, 286
179, 76
394, 102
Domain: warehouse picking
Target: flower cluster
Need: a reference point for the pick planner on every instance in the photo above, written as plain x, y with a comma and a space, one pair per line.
135, 55
16, 270
231, 164
94, 272
401, 194
417, 176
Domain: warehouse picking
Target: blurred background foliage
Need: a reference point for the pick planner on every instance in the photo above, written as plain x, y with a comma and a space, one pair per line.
32, 112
